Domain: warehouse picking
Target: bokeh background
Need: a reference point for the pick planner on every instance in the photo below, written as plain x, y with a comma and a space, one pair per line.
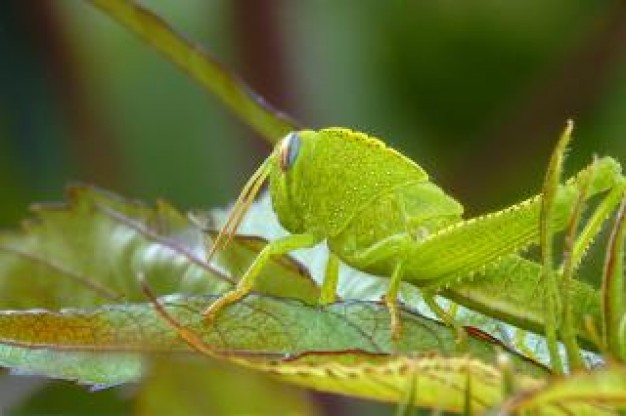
475, 92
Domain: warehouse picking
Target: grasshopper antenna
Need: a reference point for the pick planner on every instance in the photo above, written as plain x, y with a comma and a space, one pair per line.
245, 199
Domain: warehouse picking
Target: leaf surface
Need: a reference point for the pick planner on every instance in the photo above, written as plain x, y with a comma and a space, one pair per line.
80, 260
89, 251
109, 345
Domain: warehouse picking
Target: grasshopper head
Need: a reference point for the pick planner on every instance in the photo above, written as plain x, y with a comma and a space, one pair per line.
319, 180
285, 172
279, 166
322, 180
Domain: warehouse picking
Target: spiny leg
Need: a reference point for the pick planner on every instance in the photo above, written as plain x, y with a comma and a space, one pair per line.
465, 248
604, 175
496, 301
431, 302
486, 238
246, 283
389, 250
394, 246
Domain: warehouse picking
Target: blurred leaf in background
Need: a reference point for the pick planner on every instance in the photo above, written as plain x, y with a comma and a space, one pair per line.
482, 88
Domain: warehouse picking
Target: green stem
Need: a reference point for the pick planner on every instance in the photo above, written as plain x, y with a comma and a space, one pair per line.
568, 332
594, 224
613, 308
237, 96
551, 305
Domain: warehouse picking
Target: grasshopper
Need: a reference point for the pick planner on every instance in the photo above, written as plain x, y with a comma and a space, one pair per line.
379, 212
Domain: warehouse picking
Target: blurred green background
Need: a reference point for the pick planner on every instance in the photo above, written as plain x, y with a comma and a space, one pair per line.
475, 92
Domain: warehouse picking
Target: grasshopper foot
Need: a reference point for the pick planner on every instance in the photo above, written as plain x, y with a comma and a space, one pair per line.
211, 312
394, 313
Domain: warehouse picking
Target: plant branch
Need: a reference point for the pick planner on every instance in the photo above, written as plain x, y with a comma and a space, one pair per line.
233, 92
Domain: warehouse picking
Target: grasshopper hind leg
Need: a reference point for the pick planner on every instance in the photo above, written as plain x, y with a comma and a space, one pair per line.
396, 247
391, 301
389, 251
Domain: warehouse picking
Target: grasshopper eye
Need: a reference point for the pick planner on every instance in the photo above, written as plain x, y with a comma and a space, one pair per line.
288, 151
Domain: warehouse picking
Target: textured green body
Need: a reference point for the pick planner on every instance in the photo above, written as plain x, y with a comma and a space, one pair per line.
376, 207
379, 212
357, 170
366, 193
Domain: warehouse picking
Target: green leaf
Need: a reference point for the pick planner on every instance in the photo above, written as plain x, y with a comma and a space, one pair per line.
488, 307
593, 392
101, 239
103, 346
87, 252
437, 382
98, 370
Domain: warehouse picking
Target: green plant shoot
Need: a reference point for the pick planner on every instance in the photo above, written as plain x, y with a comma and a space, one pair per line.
379, 212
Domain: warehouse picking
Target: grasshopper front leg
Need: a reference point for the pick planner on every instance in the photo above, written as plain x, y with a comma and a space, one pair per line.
246, 283
328, 291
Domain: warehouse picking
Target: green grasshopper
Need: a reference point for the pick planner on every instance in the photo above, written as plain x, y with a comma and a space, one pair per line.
379, 212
